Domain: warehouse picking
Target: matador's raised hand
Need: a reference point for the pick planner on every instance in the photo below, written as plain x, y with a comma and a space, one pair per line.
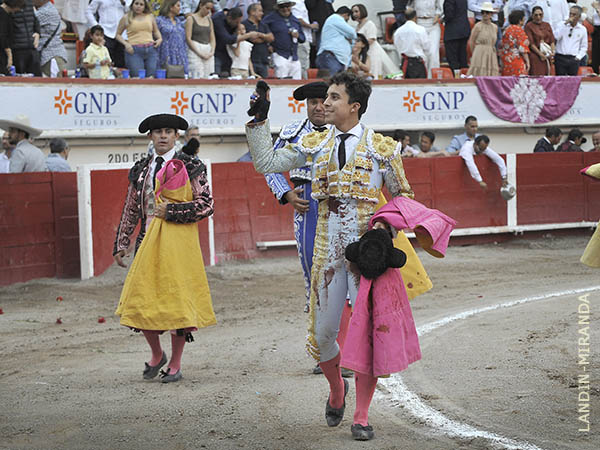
260, 101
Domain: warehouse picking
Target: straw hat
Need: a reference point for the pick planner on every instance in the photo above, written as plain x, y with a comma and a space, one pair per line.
285, 2
487, 6
20, 122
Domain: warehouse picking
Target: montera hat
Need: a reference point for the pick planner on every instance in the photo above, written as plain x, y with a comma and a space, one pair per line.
20, 122
374, 253
316, 89
487, 6
158, 121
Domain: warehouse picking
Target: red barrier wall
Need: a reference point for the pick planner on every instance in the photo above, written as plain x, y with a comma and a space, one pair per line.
39, 229
38, 226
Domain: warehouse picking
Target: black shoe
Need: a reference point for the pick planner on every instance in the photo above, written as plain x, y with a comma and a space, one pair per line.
317, 370
332, 415
151, 371
347, 373
360, 433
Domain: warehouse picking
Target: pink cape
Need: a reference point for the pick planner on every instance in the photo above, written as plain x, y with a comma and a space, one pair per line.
382, 338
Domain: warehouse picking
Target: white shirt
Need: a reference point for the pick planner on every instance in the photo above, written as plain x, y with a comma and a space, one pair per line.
109, 12
241, 61
167, 157
427, 8
300, 12
475, 6
595, 18
351, 141
412, 40
467, 152
555, 12
574, 45
4, 163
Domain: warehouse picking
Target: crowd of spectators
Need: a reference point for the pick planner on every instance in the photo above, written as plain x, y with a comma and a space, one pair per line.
287, 38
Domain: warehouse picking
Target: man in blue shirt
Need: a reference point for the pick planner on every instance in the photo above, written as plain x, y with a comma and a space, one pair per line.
56, 161
459, 140
226, 24
337, 37
260, 50
287, 32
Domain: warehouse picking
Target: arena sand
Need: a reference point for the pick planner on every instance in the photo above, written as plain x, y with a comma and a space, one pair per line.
248, 383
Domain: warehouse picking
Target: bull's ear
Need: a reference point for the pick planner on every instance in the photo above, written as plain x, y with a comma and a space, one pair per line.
397, 258
352, 252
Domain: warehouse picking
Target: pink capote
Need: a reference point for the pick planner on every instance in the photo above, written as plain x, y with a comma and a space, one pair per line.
382, 338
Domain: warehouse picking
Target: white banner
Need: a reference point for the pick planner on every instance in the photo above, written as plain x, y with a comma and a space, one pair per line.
84, 108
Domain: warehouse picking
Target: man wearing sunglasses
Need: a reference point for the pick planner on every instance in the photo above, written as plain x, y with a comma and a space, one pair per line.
571, 43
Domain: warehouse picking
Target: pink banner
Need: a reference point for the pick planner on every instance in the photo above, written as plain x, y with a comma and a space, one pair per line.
528, 99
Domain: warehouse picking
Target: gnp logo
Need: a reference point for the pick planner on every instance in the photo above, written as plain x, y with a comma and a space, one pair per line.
433, 101
86, 103
296, 105
213, 107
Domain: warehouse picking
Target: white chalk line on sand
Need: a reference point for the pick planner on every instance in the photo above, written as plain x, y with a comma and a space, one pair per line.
399, 394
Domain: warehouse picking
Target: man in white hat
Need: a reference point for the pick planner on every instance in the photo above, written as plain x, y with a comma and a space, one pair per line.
25, 156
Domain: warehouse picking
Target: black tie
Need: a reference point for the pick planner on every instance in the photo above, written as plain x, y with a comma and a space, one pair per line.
159, 162
342, 149
319, 129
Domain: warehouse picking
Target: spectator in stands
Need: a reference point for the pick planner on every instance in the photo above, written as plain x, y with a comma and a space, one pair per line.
547, 143
337, 38
381, 63
26, 39
480, 146
56, 161
109, 13
7, 148
400, 11
594, 19
514, 49
484, 60
287, 31
193, 132
541, 43
426, 147
595, 141
7, 33
428, 16
412, 44
51, 46
172, 54
260, 50
25, 156
226, 24
242, 4
456, 33
459, 140
97, 58
143, 38
318, 11
571, 43
476, 6
406, 150
241, 64
361, 62
555, 11
300, 12
201, 41
75, 12
573, 142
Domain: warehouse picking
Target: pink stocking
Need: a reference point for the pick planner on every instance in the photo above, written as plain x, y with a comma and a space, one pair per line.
177, 343
331, 370
344, 322
153, 338
365, 388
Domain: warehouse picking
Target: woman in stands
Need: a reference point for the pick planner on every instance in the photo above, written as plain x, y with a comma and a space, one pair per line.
143, 38
541, 44
361, 62
514, 50
484, 61
172, 54
200, 37
381, 64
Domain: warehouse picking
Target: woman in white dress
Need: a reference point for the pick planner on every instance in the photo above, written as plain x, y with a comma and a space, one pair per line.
381, 64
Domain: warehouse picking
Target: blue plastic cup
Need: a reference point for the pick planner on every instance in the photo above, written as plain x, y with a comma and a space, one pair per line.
160, 73
142, 73
125, 73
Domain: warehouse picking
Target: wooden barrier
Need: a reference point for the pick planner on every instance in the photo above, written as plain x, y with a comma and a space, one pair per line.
38, 212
